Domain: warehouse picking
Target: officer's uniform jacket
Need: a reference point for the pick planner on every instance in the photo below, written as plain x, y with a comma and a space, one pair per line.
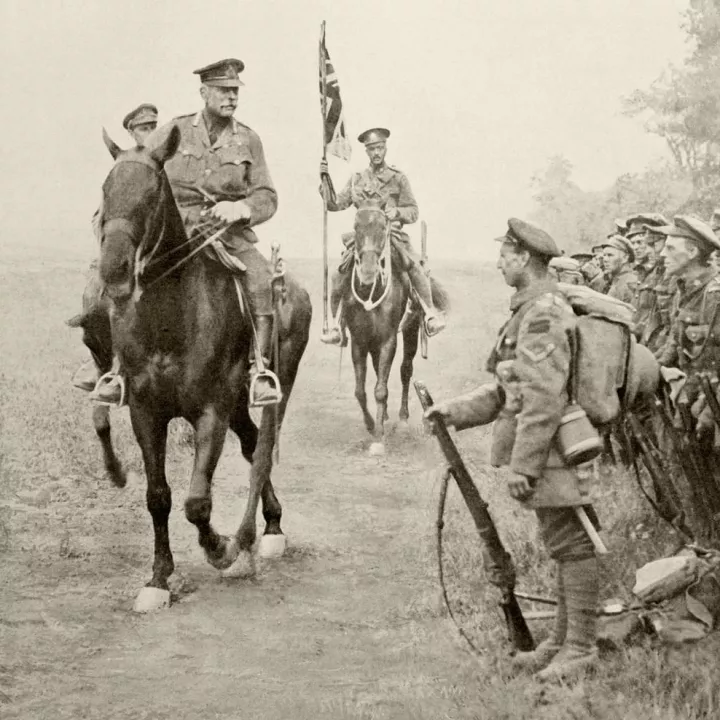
623, 285
694, 341
531, 362
232, 168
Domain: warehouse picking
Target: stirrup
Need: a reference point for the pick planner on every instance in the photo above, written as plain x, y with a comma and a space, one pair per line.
438, 320
334, 336
106, 379
274, 382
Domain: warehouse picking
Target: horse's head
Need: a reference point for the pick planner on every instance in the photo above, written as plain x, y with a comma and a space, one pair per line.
370, 238
134, 195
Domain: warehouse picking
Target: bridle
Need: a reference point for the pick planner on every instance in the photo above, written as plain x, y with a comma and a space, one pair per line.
385, 273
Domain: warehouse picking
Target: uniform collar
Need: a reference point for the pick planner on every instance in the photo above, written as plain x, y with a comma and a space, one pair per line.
696, 278
536, 289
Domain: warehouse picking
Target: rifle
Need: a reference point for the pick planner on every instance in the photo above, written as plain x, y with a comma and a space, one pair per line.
502, 571
686, 455
667, 503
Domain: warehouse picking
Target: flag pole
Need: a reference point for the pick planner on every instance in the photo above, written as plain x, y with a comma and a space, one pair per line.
323, 81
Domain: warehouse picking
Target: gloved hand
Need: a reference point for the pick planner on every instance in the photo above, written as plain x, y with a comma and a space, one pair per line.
521, 486
231, 212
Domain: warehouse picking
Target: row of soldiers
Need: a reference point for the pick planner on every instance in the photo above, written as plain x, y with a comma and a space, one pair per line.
668, 272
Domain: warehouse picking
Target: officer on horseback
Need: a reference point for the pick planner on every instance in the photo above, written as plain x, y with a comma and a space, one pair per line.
386, 186
220, 180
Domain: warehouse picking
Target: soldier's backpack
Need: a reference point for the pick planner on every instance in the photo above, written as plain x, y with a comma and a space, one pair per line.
609, 368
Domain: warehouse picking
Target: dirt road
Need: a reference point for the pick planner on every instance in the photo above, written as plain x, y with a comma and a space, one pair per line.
346, 625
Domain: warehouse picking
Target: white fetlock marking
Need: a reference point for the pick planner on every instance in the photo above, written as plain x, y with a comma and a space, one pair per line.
377, 449
243, 567
150, 599
272, 546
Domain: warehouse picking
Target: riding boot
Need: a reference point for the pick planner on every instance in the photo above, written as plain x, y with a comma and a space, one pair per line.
434, 321
547, 649
579, 652
337, 335
265, 390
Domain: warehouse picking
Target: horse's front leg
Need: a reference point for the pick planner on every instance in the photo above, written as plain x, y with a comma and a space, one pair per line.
151, 433
210, 431
273, 542
113, 466
382, 361
359, 358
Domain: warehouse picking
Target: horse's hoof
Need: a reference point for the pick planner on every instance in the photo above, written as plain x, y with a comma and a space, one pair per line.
228, 557
150, 599
272, 546
243, 567
377, 449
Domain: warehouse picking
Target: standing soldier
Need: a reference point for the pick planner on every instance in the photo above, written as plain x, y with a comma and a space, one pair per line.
139, 123
221, 162
652, 296
636, 235
531, 362
692, 345
386, 186
618, 258
590, 270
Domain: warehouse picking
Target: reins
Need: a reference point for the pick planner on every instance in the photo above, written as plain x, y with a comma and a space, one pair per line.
371, 304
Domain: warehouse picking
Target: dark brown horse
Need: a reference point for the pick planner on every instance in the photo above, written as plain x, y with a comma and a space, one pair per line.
374, 305
183, 346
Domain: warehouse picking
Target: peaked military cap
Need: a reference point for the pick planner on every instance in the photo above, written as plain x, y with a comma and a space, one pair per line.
373, 135
598, 246
685, 226
145, 113
565, 263
582, 257
638, 223
530, 237
223, 73
620, 243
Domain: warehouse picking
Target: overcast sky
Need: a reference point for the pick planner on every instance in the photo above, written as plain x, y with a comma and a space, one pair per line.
478, 95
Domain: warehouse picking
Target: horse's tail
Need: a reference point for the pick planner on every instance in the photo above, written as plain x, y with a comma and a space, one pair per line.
441, 300
76, 321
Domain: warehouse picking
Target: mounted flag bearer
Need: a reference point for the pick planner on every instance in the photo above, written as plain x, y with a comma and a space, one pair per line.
388, 188
220, 181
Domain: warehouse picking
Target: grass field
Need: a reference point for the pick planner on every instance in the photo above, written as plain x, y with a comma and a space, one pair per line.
348, 624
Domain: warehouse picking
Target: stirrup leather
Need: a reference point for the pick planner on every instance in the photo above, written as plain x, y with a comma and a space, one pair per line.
274, 381
106, 379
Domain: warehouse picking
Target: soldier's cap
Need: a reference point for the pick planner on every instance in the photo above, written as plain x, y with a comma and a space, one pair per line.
621, 226
565, 263
598, 246
145, 113
715, 220
223, 73
530, 237
373, 135
620, 243
686, 226
582, 257
638, 223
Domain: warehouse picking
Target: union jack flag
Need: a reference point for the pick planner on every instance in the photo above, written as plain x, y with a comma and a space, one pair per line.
335, 139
